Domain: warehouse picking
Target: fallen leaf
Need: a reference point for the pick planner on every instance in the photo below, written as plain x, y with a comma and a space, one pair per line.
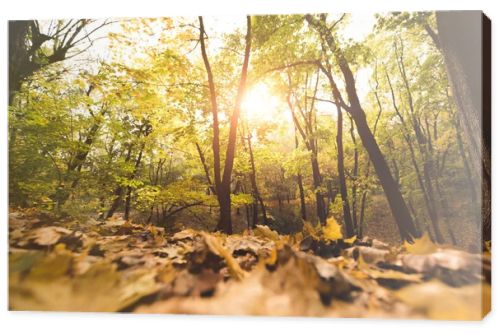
47, 236
218, 249
351, 240
266, 232
420, 246
332, 230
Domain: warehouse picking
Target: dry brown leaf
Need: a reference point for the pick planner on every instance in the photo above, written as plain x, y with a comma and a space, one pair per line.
47, 236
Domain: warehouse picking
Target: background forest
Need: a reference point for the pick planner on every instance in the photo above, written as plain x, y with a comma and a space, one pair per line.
331, 164
135, 128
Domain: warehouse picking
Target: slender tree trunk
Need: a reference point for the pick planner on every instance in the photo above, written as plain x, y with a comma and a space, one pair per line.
223, 184
253, 181
117, 194
355, 174
320, 204
205, 169
127, 203
310, 145
119, 190
368, 165
362, 214
247, 211
224, 199
349, 228
79, 159
301, 186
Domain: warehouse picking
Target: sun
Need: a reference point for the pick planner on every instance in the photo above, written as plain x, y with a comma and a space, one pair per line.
259, 103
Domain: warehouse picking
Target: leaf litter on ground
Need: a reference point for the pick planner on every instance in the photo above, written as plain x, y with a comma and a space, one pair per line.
119, 266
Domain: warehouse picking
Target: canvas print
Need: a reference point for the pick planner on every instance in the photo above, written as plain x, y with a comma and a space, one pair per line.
310, 165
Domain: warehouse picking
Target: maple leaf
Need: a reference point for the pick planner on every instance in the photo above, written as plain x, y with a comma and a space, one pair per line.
332, 230
420, 246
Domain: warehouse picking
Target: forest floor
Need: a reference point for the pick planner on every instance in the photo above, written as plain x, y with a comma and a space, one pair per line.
119, 266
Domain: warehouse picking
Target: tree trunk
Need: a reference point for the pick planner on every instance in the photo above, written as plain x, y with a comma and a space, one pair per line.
301, 186
223, 184
310, 145
349, 228
255, 189
320, 204
117, 194
127, 203
355, 174
119, 189
205, 169
224, 199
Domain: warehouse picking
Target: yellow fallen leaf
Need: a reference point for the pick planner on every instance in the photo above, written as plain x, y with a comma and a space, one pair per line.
351, 240
218, 249
421, 246
332, 230
157, 235
394, 275
265, 231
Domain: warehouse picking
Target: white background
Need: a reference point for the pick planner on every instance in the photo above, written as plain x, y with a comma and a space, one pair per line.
30, 322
